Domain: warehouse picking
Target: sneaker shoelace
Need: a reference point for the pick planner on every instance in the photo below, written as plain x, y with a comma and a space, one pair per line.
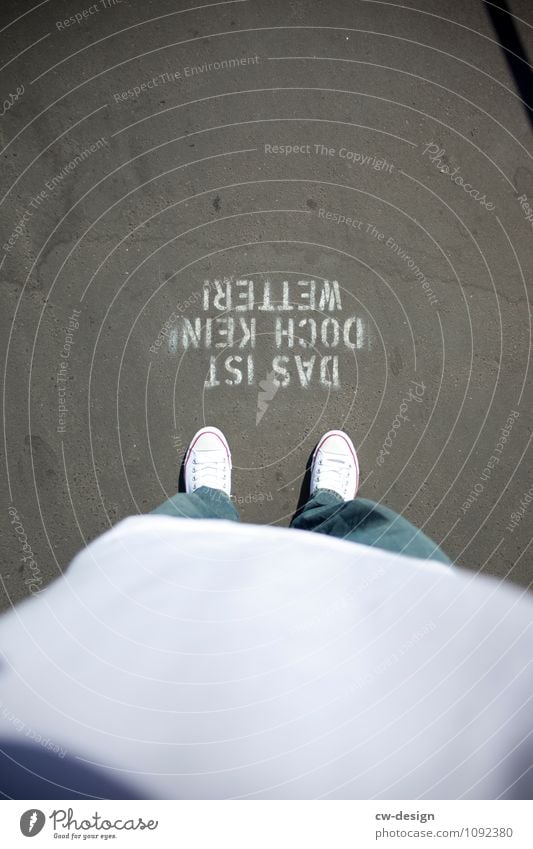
209, 471
333, 473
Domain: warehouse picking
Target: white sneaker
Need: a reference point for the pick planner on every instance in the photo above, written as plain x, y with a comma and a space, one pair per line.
208, 461
335, 465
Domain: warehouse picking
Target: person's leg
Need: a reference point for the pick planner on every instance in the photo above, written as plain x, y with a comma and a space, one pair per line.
207, 472
333, 508
204, 503
366, 522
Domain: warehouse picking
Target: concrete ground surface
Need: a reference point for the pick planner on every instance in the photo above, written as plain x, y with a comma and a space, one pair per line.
277, 218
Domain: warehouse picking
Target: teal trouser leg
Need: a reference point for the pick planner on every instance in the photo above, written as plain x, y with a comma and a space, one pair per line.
365, 522
205, 503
